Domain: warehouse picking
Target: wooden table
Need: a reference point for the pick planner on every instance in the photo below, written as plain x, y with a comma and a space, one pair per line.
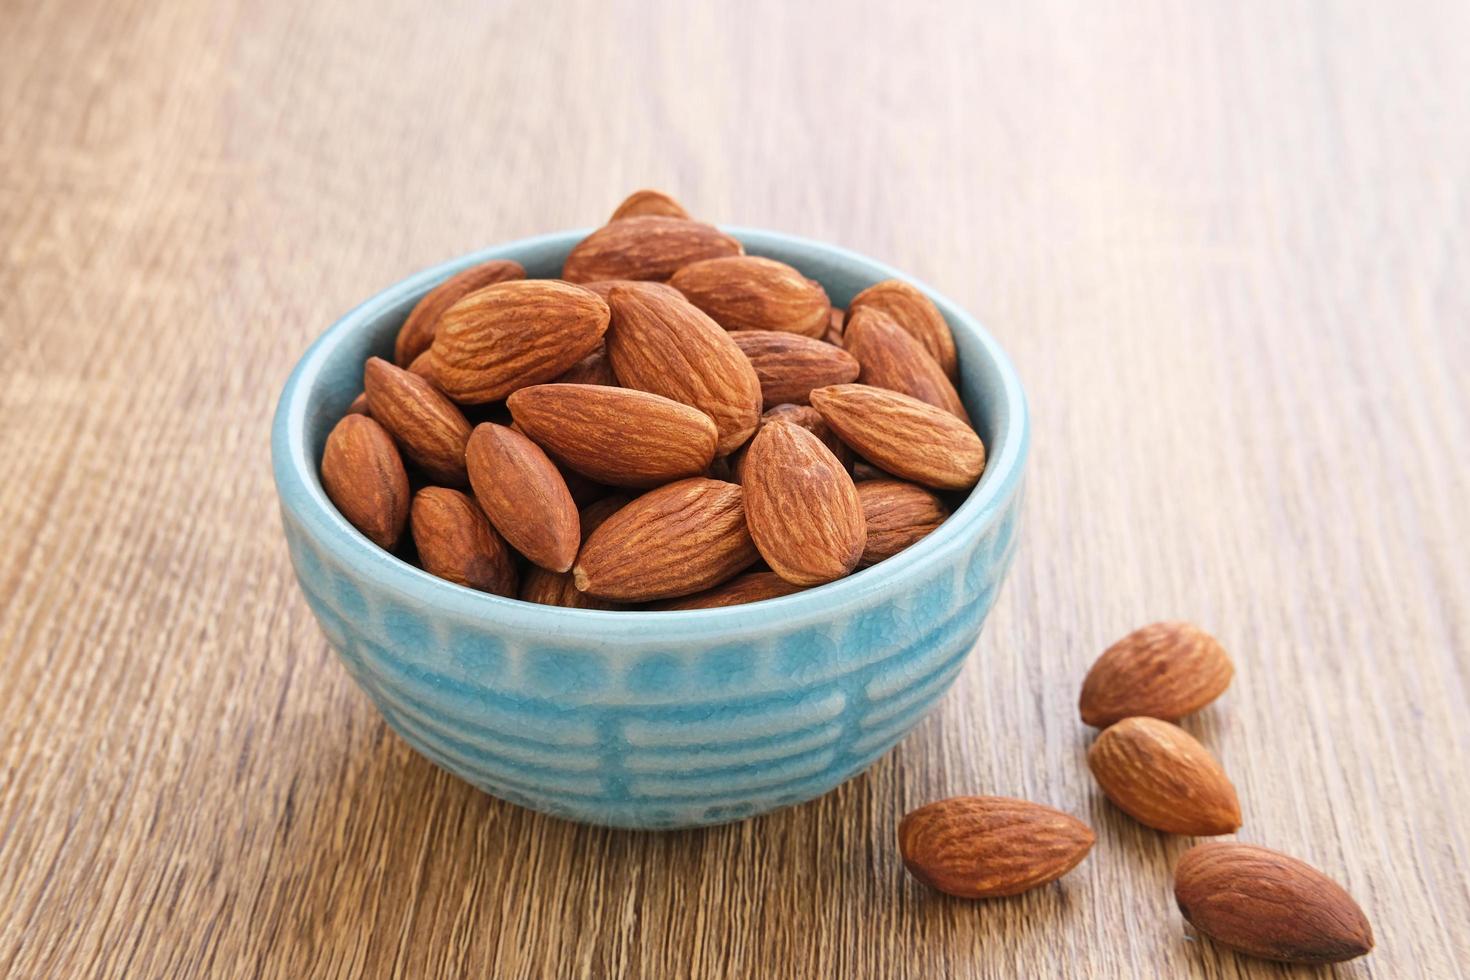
1225, 243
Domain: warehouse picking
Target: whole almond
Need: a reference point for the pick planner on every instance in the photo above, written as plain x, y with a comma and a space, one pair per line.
456, 542
789, 365
514, 334
670, 348
1266, 904
645, 247
680, 539
835, 324
1166, 670
429, 427
914, 312
904, 436
417, 332
594, 369
990, 846
809, 419
892, 358
647, 202
549, 588
363, 475
604, 287
747, 292
524, 495
750, 587
1159, 775
616, 436
897, 514
801, 505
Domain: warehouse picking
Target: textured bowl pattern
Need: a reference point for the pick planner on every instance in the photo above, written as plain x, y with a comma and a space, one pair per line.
650, 720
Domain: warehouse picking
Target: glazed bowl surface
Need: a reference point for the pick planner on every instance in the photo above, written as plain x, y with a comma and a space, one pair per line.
649, 719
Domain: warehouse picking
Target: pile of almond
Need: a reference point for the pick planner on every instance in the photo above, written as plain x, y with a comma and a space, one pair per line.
673, 423
1249, 898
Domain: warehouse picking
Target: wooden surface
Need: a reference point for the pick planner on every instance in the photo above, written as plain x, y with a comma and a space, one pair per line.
1225, 243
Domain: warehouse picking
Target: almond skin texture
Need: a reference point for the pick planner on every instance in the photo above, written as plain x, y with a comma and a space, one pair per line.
645, 247
456, 542
616, 436
524, 496
809, 419
359, 406
677, 540
801, 505
417, 332
558, 588
593, 369
670, 348
990, 846
646, 202
424, 366
746, 292
750, 587
789, 365
1162, 777
514, 334
364, 476
429, 427
1166, 670
898, 514
604, 287
915, 313
835, 324
892, 358
904, 436
1266, 904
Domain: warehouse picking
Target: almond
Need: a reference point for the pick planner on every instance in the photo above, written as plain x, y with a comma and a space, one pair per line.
593, 369
990, 846
863, 470
359, 406
904, 436
456, 542
1166, 670
427, 425
914, 312
682, 538
750, 587
789, 365
892, 358
604, 287
363, 475
801, 505
423, 366
897, 515
524, 496
417, 332
1159, 775
1266, 904
645, 247
514, 334
550, 588
616, 436
747, 292
835, 323
646, 202
670, 348
809, 419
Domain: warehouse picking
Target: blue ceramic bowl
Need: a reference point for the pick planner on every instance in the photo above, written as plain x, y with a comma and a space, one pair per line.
649, 719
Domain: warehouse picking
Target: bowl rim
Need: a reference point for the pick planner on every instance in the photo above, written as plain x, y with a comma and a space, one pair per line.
300, 491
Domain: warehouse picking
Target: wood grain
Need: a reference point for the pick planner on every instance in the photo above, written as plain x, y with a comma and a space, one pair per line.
1226, 244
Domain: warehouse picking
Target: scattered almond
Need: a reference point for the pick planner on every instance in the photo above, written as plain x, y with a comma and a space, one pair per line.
1266, 904
990, 846
915, 313
524, 495
801, 506
897, 514
616, 436
430, 429
747, 292
908, 438
645, 247
363, 475
1166, 670
1161, 776
456, 542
